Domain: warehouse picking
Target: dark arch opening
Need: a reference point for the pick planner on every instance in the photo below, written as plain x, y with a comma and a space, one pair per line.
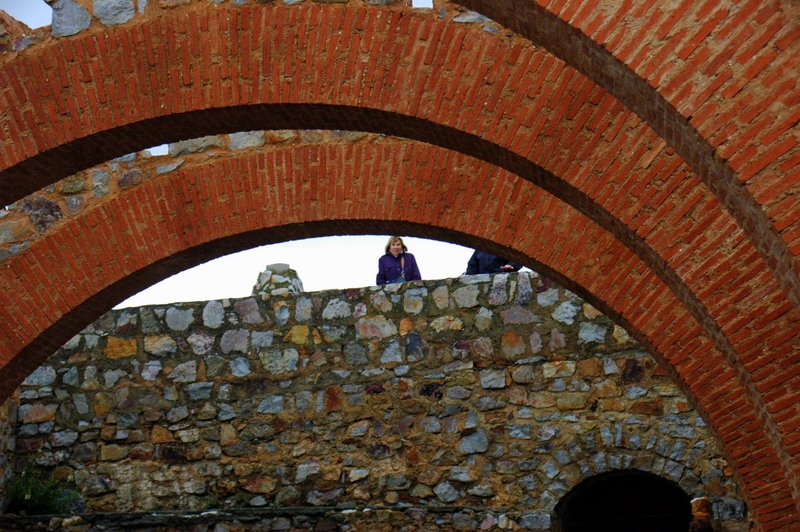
624, 501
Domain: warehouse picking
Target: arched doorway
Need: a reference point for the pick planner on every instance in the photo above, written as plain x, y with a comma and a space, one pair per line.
624, 501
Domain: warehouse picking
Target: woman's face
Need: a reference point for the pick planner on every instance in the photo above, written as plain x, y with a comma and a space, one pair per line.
395, 248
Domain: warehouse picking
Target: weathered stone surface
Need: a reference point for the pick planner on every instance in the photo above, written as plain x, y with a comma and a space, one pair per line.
37, 413
151, 370
42, 376
213, 314
538, 521
298, 334
240, 367
561, 368
235, 340
184, 372
63, 439
113, 453
590, 332
248, 311
477, 442
493, 379
414, 300
337, 308
201, 343
306, 469
160, 345
179, 319
199, 390
278, 362
523, 374
71, 377
246, 139
69, 18
271, 405
374, 327
130, 178
513, 345
565, 312
100, 177
447, 323
518, 315
392, 353
161, 435
15, 231
446, 492
94, 486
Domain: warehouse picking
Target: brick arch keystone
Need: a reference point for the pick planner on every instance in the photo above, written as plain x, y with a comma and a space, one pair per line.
200, 211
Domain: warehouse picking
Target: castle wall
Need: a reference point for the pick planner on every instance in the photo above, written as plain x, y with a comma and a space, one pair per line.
491, 394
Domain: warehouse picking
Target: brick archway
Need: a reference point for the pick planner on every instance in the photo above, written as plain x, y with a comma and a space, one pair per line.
281, 195
723, 256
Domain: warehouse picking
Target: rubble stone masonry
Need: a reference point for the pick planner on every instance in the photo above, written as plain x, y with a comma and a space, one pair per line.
488, 396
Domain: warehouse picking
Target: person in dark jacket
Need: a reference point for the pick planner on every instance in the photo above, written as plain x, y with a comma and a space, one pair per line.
481, 262
397, 265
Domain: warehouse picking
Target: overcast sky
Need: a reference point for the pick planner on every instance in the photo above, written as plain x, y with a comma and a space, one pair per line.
321, 263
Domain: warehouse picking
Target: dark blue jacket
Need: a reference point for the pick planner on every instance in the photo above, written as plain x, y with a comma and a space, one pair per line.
481, 262
389, 268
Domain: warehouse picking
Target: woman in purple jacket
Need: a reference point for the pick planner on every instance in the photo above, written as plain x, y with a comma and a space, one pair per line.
397, 265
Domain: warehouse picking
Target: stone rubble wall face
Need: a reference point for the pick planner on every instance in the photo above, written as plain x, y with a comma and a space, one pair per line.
475, 392
8, 412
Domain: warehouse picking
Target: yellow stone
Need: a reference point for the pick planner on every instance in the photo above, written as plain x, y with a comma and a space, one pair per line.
103, 404
227, 435
590, 312
120, 347
297, 335
161, 435
611, 405
590, 368
406, 326
621, 335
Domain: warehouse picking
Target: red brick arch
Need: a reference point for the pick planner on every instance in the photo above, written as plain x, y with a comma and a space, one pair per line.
307, 191
696, 240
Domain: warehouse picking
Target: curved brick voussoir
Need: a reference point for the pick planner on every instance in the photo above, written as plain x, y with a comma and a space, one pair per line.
197, 212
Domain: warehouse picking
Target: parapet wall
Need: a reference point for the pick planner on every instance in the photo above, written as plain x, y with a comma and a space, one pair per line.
481, 393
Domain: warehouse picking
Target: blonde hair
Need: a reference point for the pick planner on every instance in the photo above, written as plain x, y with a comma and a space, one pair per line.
392, 239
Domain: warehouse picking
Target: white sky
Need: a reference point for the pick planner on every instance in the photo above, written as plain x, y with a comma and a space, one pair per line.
36, 13
321, 263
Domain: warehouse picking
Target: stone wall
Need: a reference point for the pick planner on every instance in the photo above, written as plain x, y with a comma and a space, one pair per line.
488, 394
8, 425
